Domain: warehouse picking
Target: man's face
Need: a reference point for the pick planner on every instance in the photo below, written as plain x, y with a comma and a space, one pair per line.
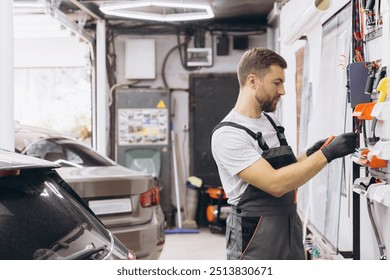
270, 88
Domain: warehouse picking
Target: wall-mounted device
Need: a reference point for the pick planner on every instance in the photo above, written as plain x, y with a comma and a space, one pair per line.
240, 42
223, 45
140, 59
199, 57
142, 135
357, 76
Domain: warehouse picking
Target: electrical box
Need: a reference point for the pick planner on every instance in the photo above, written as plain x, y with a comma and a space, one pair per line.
140, 59
357, 75
199, 57
222, 45
240, 42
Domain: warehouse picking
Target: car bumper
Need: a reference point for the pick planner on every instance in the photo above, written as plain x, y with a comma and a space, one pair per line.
147, 240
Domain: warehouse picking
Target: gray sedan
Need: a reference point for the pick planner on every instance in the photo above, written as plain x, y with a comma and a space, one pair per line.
125, 200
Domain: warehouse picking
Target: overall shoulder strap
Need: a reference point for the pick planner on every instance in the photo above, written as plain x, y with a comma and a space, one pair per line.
257, 136
279, 130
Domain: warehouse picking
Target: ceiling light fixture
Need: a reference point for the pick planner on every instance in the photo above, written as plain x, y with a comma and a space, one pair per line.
191, 11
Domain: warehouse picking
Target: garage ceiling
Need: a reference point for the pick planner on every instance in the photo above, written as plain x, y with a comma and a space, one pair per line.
224, 10
230, 15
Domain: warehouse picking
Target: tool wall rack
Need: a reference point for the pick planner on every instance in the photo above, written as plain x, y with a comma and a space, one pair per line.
373, 120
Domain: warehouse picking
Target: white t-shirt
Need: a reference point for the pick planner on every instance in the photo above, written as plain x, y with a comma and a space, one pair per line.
234, 150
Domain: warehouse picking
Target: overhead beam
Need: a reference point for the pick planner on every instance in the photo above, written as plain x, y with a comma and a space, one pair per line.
83, 8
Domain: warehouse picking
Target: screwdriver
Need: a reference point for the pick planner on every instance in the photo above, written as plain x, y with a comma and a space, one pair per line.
328, 141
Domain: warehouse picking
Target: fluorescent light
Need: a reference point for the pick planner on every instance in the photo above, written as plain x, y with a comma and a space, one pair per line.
29, 4
28, 7
127, 10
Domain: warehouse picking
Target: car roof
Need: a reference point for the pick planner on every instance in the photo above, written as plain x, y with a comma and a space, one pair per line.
37, 131
25, 134
10, 161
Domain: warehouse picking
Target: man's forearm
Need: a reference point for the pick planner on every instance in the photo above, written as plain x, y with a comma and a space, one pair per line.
278, 182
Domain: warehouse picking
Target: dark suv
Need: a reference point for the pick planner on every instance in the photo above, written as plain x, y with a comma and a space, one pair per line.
125, 200
41, 217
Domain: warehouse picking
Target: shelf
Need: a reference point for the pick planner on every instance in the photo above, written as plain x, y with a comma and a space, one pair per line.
363, 111
379, 192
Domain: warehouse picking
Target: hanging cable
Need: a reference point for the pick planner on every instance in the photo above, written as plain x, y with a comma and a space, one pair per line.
183, 52
358, 32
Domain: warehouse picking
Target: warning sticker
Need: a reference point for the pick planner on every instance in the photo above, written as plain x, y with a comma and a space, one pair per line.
161, 104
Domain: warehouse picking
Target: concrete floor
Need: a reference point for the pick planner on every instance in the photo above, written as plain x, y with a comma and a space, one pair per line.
194, 246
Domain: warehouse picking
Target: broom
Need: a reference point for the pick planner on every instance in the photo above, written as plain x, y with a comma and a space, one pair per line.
179, 228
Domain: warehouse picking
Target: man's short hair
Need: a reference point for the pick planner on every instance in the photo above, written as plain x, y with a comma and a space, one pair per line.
258, 61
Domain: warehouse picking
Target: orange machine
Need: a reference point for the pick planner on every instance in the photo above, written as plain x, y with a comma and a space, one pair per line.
217, 210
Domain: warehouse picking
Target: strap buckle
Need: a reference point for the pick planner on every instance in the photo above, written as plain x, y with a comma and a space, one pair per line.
260, 140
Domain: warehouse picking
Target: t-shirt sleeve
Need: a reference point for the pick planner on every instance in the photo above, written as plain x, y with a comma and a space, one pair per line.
233, 149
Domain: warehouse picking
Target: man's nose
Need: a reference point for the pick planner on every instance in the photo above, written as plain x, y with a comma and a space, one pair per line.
281, 90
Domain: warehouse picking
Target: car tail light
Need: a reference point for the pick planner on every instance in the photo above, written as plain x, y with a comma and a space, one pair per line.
150, 198
5, 173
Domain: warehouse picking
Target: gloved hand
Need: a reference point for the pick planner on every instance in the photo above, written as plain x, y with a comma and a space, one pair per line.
315, 147
341, 145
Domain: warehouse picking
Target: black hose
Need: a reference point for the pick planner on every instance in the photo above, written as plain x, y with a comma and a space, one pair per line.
165, 62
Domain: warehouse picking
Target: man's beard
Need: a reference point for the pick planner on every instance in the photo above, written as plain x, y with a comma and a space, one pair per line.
268, 106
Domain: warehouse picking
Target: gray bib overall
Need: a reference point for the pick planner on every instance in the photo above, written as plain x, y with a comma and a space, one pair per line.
261, 226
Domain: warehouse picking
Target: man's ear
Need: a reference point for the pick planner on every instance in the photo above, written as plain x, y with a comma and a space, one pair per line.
251, 80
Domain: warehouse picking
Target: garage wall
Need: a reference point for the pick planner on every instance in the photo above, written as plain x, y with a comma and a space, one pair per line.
178, 79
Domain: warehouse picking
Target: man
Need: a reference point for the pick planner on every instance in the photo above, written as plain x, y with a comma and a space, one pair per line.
258, 169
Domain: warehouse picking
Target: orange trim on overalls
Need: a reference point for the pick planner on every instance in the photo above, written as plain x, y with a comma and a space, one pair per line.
250, 241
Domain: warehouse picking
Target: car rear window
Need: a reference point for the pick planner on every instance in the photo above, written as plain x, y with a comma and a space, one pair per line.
66, 152
36, 215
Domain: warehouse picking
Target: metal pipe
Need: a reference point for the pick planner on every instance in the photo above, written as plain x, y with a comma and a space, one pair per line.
306, 21
101, 99
381, 245
176, 177
84, 9
66, 21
